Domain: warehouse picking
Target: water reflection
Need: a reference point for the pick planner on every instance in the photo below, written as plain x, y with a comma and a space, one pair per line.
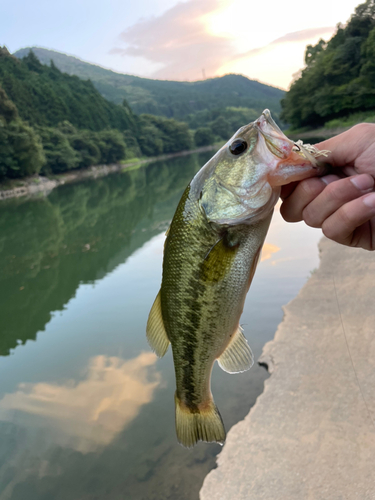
78, 234
85, 412
268, 250
94, 410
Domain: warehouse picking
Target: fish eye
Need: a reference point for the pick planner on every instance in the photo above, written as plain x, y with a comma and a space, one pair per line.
237, 147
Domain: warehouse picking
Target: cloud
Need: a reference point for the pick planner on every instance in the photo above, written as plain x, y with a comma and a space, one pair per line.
178, 39
93, 411
181, 45
304, 35
268, 250
293, 37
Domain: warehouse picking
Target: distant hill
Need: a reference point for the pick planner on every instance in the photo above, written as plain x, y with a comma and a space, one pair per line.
45, 96
166, 98
53, 122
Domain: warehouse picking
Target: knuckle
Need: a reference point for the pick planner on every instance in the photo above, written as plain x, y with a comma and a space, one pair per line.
336, 191
329, 231
311, 218
345, 216
339, 225
311, 187
364, 128
363, 132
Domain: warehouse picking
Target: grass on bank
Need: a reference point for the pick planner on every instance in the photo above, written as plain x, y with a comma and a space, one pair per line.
351, 120
337, 123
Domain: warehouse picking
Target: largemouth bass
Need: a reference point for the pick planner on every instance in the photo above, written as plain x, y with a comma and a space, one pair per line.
210, 255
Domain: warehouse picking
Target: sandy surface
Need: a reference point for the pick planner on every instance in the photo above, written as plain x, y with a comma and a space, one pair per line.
311, 434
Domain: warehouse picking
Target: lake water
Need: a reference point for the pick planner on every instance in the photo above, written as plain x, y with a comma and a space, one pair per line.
86, 409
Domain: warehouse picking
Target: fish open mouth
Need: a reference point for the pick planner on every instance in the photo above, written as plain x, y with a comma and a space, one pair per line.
276, 141
282, 147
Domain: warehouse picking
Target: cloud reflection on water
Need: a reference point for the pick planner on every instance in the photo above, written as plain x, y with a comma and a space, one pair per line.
93, 411
268, 250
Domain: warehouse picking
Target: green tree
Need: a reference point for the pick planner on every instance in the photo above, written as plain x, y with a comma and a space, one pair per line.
60, 156
132, 147
368, 57
221, 127
203, 136
338, 79
175, 135
84, 143
112, 146
21, 151
67, 128
312, 51
45, 96
150, 140
8, 111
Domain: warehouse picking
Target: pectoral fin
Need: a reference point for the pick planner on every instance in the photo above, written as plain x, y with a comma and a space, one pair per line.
155, 330
218, 260
237, 357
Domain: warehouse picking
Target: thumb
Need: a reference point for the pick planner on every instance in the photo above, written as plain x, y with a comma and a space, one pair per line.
345, 149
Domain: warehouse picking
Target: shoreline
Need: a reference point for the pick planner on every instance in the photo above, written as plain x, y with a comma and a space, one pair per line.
41, 185
311, 433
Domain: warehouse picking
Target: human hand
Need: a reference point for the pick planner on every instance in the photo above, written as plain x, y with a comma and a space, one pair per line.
343, 207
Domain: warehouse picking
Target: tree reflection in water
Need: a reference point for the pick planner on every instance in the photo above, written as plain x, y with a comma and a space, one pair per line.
76, 235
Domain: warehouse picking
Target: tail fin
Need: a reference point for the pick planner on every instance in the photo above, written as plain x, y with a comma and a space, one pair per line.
205, 425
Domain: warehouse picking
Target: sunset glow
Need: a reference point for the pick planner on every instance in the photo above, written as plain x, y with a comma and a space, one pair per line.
187, 40
264, 51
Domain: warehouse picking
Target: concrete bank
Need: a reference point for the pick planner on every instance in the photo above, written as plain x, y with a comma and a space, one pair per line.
311, 434
38, 185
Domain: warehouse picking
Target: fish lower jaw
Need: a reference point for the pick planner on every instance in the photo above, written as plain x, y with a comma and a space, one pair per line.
291, 173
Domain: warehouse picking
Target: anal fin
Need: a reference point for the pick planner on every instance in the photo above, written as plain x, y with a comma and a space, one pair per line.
155, 330
237, 357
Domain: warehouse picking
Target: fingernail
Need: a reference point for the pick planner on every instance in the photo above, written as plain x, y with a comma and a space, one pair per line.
327, 179
369, 200
363, 182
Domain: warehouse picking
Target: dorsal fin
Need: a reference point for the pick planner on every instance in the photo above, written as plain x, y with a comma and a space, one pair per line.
155, 330
237, 357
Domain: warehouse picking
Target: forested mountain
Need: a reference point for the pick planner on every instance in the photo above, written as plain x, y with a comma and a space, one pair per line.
339, 78
53, 122
166, 98
44, 95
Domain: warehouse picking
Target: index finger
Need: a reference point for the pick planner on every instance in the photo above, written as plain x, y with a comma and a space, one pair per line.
287, 189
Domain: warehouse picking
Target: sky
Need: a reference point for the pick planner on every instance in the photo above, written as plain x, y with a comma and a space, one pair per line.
165, 39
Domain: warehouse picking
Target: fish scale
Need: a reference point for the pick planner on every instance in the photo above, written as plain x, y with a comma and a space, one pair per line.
198, 312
